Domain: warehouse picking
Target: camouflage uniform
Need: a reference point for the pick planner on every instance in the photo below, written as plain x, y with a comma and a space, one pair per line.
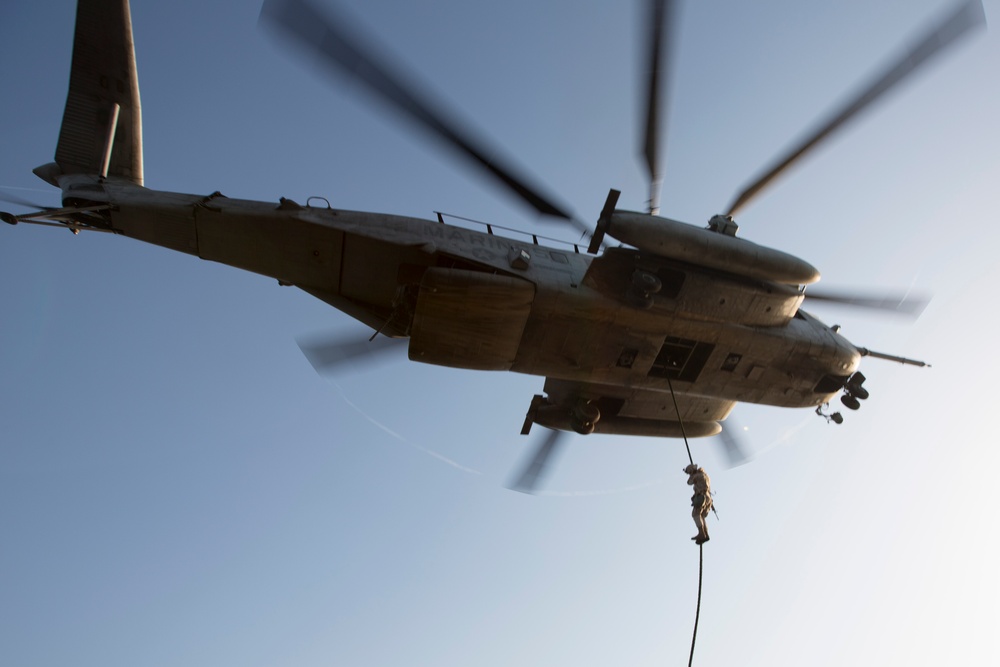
701, 501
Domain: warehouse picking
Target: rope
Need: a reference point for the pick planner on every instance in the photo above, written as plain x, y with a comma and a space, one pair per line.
701, 547
680, 421
697, 610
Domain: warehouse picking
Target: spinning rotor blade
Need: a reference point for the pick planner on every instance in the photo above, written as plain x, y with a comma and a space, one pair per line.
12, 219
11, 199
535, 469
736, 453
661, 13
945, 33
332, 355
336, 44
900, 304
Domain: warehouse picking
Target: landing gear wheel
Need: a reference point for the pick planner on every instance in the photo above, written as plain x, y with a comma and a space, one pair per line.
850, 401
854, 387
837, 418
638, 299
585, 411
646, 282
644, 286
583, 417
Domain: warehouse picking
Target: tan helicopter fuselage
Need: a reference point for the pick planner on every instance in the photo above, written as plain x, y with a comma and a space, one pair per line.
473, 299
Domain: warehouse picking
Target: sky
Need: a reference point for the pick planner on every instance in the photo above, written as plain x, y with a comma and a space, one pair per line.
178, 486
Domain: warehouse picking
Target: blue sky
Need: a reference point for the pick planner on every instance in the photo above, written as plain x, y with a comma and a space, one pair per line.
177, 486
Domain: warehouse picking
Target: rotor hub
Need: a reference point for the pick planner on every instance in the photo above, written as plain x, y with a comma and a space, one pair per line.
723, 224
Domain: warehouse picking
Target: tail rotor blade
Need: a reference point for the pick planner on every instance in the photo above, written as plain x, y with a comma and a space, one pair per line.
12, 199
535, 470
950, 30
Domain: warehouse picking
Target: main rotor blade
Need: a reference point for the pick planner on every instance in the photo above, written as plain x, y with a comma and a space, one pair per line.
944, 33
736, 453
661, 13
900, 304
535, 469
331, 355
337, 45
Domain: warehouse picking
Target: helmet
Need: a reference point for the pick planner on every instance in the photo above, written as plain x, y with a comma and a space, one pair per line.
691, 469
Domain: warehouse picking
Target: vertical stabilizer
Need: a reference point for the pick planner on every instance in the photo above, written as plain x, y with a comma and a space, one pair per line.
101, 130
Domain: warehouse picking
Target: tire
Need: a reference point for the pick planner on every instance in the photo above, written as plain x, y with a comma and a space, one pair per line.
646, 282
850, 401
586, 412
638, 299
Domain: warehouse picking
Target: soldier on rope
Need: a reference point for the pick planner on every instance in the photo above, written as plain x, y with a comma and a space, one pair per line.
701, 501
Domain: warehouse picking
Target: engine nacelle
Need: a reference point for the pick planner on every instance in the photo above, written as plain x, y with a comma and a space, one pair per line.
703, 247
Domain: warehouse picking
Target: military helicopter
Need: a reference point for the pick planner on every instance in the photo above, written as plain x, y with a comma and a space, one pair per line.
660, 335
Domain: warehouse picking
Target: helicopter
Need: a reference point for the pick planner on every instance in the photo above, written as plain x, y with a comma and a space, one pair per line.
661, 335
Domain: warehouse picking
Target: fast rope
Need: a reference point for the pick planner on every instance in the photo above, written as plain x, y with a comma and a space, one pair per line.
697, 609
701, 547
680, 421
